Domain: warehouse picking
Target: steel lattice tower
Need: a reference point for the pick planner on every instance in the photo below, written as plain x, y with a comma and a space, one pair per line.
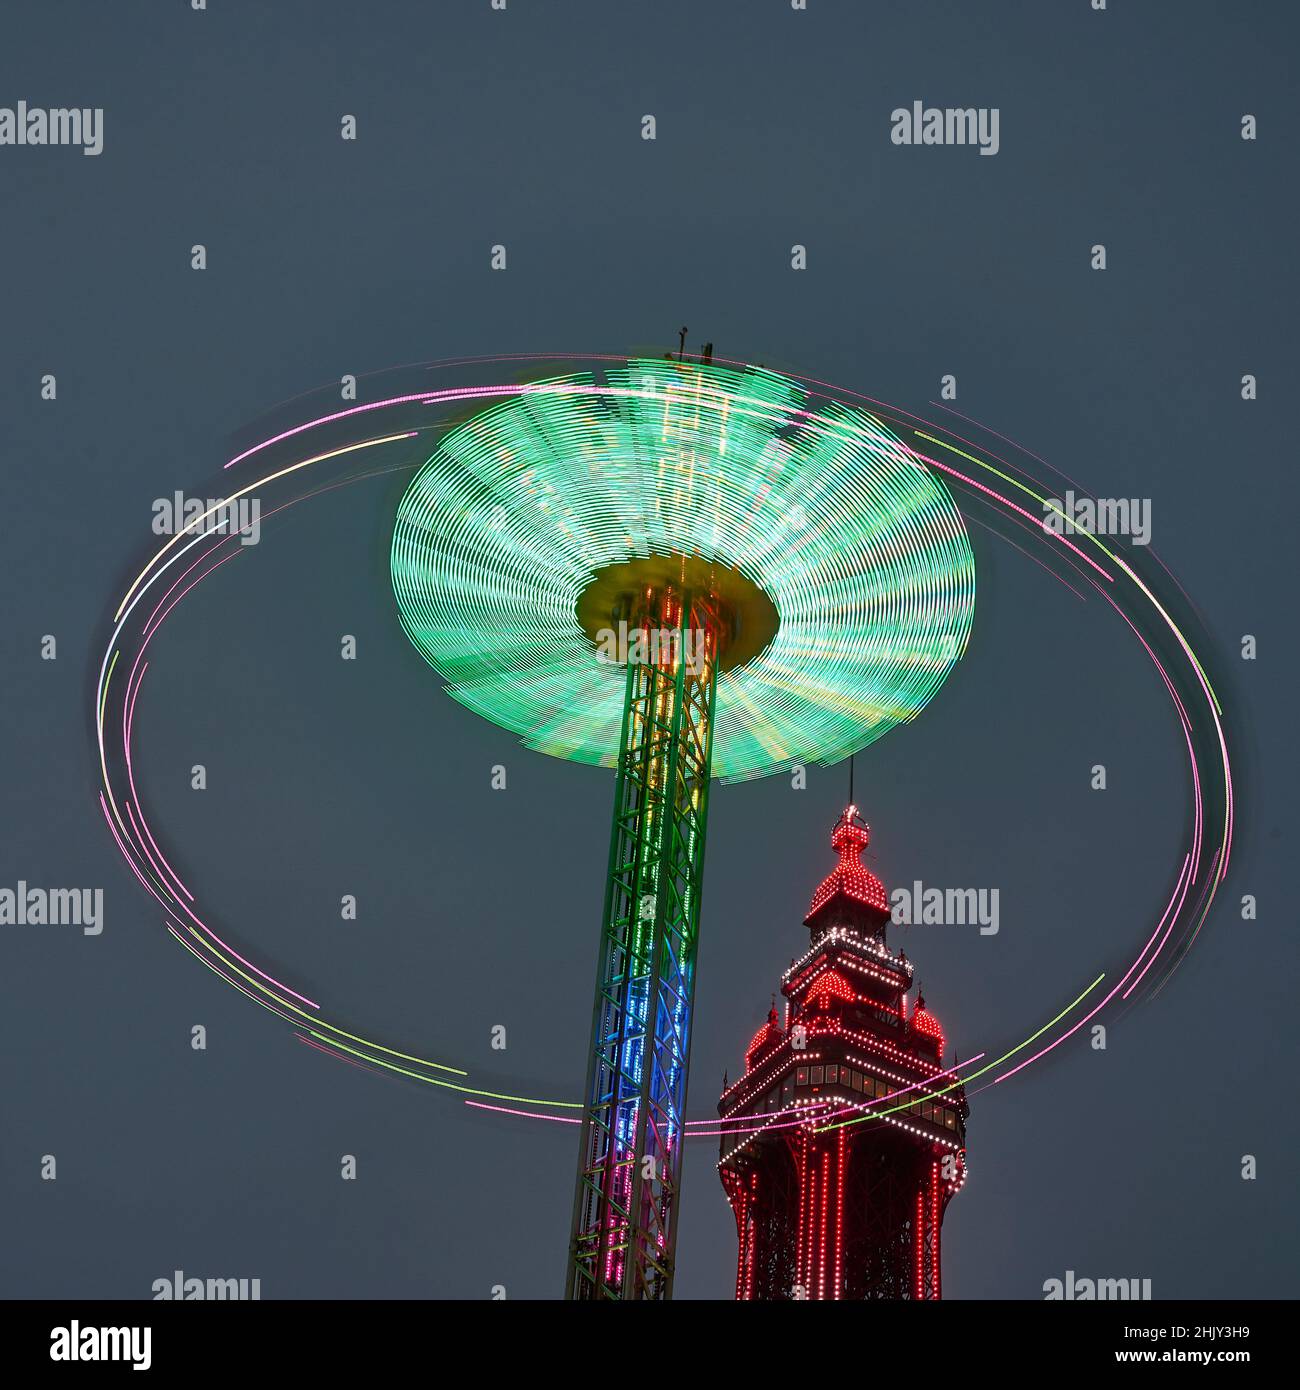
845, 1139
630, 1159
682, 571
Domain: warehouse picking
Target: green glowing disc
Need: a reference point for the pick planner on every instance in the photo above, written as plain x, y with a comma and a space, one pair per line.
843, 557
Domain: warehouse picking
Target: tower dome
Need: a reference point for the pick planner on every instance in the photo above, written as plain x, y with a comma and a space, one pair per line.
850, 894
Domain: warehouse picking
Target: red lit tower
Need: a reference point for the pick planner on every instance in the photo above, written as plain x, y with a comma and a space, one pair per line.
845, 1138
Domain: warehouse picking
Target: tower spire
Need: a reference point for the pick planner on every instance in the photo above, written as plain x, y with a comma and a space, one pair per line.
850, 895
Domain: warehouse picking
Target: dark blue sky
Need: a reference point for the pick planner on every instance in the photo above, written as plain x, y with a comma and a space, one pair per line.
326, 257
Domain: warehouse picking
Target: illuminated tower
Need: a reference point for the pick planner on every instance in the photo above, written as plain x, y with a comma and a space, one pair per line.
683, 572
845, 1138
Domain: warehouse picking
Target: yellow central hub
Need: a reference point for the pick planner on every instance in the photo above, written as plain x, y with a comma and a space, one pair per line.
617, 592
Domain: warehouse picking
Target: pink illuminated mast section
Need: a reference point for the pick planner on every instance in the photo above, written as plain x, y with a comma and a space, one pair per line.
845, 1138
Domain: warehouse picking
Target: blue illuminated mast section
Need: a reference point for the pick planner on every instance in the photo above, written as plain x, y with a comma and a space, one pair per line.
630, 1157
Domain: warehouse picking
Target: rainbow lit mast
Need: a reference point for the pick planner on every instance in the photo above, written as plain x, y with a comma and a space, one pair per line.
777, 583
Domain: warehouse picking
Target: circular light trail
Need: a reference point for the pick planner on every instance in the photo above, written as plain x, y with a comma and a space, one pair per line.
981, 479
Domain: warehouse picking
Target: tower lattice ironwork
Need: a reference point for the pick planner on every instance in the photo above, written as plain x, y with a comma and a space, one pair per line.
630, 1160
845, 1138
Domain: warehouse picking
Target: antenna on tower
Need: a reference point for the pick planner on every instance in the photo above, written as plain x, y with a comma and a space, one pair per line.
851, 801
681, 350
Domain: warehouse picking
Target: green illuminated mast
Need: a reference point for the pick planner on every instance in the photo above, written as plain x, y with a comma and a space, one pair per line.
629, 1167
680, 571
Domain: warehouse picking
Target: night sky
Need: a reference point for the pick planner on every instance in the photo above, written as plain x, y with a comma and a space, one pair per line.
480, 908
